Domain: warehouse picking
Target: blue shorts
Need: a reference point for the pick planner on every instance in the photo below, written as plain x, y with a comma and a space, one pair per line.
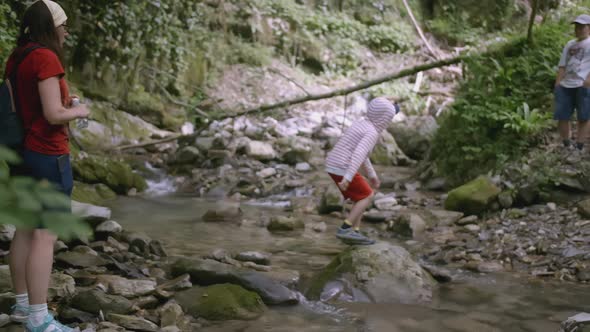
568, 99
55, 169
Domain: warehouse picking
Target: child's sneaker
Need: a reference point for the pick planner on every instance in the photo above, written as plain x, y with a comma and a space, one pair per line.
352, 237
19, 313
49, 325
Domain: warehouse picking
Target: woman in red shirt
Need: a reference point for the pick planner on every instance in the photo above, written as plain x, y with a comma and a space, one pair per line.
42, 95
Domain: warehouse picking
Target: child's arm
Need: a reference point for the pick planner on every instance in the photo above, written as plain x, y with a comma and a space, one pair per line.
368, 169
360, 155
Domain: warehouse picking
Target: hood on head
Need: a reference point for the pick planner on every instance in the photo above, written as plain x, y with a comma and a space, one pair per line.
380, 113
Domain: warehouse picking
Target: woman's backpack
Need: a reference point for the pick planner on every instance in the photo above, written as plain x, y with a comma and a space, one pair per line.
11, 126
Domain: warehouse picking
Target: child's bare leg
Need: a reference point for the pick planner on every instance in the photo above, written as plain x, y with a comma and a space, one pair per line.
356, 213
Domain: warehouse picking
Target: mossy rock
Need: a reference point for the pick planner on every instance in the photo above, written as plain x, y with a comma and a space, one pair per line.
221, 302
116, 174
111, 127
96, 194
381, 273
473, 197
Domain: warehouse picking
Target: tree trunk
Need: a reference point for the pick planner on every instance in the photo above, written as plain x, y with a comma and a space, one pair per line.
535, 6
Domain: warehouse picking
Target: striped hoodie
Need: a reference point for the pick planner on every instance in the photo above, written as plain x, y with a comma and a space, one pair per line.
352, 150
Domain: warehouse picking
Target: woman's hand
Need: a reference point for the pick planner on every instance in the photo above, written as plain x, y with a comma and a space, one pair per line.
81, 111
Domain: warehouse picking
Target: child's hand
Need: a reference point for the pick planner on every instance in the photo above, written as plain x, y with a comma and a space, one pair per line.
343, 184
375, 183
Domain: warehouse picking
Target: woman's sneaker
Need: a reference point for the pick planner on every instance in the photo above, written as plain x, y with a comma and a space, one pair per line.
19, 314
49, 325
350, 236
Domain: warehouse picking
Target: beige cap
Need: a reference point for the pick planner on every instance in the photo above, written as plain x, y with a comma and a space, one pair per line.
58, 14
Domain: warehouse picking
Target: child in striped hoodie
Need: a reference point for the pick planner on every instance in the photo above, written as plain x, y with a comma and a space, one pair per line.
350, 154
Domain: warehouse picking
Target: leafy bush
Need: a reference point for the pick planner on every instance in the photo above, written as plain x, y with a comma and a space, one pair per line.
8, 32
502, 107
22, 202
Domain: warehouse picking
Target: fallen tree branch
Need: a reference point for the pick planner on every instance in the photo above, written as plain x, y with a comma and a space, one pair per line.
341, 92
335, 93
272, 70
417, 26
144, 144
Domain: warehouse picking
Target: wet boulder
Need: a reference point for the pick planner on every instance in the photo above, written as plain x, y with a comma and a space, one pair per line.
94, 301
381, 273
206, 272
283, 224
414, 135
117, 285
388, 153
61, 286
260, 151
223, 212
5, 283
221, 302
331, 200
116, 174
133, 323
473, 197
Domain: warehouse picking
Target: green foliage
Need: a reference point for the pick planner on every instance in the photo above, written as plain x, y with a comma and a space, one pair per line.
25, 203
296, 27
465, 21
502, 107
8, 32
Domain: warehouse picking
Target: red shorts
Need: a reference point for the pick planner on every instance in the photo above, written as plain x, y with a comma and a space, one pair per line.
358, 188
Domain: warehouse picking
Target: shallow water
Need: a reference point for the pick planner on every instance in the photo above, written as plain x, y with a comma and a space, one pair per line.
472, 302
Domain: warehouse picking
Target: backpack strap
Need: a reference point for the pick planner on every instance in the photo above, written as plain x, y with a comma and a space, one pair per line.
21, 57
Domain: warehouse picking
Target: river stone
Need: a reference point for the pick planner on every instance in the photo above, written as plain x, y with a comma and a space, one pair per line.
125, 287
221, 302
254, 256
204, 143
381, 273
302, 167
467, 220
386, 203
584, 208
331, 200
584, 275
223, 212
6, 301
5, 283
7, 232
77, 259
170, 313
71, 315
506, 199
414, 134
4, 320
267, 172
484, 267
139, 243
94, 301
388, 153
409, 225
260, 151
206, 272
473, 197
109, 227
444, 217
296, 149
91, 212
133, 322
188, 155
61, 286
282, 223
